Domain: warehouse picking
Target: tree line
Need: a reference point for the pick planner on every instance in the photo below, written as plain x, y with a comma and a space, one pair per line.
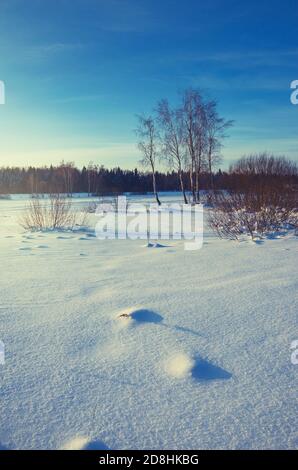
95, 180
185, 139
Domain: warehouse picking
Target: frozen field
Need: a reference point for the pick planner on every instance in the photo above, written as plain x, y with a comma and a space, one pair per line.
201, 361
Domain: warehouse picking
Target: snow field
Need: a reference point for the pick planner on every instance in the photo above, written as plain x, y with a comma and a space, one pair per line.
201, 358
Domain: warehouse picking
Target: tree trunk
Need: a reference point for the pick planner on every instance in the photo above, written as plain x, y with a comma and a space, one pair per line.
154, 188
211, 182
197, 189
182, 186
192, 186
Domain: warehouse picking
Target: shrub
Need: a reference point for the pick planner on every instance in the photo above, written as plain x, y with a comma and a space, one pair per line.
55, 214
263, 201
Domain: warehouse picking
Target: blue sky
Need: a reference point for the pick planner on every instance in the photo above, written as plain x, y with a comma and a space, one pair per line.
78, 71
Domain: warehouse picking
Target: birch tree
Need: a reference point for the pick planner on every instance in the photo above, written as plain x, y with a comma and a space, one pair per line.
148, 136
173, 144
194, 136
216, 128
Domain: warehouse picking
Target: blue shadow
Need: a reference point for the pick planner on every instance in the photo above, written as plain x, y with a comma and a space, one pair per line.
204, 371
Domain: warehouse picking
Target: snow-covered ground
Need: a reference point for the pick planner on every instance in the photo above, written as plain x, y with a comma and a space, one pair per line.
112, 344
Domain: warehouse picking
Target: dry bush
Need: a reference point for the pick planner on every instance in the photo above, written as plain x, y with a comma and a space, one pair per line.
231, 219
264, 199
55, 214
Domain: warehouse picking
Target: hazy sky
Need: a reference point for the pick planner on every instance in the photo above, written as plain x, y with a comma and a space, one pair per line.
78, 71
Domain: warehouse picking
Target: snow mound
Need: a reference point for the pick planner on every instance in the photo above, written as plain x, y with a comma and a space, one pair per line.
182, 365
84, 443
141, 315
179, 366
77, 443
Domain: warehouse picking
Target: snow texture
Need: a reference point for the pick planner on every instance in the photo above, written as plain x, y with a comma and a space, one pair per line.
110, 345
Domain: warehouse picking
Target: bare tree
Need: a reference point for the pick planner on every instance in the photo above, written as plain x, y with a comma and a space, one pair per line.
67, 170
173, 142
216, 128
89, 177
194, 135
92, 170
147, 133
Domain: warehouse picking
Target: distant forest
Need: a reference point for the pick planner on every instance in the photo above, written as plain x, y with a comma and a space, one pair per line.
96, 180
187, 140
